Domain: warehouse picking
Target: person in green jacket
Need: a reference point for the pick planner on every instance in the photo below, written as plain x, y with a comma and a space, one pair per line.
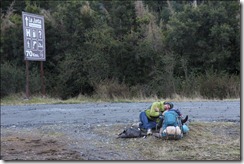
150, 117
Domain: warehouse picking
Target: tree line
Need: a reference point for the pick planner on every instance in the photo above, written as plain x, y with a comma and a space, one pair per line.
126, 48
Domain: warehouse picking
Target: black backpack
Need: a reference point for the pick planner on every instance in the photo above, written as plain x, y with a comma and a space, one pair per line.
132, 132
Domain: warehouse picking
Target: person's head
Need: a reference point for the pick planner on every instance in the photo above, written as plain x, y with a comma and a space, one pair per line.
168, 105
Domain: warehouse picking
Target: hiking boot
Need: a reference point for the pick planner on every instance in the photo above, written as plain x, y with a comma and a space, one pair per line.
149, 132
184, 120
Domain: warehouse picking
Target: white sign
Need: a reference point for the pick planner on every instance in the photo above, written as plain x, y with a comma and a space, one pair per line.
34, 37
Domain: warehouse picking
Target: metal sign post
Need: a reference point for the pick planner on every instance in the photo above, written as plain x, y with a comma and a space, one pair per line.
34, 43
42, 80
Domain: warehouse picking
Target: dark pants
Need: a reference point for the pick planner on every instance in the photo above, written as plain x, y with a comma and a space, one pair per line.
145, 122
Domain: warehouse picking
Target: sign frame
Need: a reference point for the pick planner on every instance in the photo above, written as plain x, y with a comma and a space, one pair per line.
34, 37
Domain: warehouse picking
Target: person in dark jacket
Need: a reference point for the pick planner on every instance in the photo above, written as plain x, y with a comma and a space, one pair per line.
159, 125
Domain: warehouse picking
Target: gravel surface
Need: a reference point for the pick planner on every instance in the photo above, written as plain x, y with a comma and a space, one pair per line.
92, 113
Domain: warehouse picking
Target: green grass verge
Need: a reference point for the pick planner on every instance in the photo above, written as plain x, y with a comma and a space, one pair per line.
19, 99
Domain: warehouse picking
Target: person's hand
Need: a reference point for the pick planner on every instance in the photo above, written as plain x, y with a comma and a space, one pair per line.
157, 109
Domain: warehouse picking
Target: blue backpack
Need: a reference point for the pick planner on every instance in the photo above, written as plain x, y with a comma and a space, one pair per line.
172, 127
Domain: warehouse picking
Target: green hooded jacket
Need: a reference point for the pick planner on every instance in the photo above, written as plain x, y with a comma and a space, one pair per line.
152, 114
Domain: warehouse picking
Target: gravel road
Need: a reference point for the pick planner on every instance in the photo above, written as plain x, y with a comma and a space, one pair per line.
110, 113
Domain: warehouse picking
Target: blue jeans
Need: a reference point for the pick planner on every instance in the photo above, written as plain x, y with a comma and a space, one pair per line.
146, 123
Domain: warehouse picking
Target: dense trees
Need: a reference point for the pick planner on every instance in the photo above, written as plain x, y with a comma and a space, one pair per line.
138, 48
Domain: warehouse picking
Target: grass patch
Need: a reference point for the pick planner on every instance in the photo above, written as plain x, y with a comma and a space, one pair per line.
19, 99
205, 141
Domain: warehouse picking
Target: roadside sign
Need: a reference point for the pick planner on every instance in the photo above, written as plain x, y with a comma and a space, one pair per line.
34, 37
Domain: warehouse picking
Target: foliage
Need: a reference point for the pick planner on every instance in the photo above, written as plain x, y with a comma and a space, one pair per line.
219, 85
12, 79
167, 47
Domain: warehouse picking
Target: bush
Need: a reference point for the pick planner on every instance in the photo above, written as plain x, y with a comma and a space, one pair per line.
110, 89
12, 79
220, 86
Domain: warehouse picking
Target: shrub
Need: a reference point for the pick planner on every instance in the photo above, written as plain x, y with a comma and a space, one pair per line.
12, 79
220, 86
110, 89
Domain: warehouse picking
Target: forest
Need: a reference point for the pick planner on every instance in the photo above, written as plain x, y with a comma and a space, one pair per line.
126, 49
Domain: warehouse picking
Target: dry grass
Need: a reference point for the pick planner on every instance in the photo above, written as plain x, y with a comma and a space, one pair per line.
19, 99
206, 141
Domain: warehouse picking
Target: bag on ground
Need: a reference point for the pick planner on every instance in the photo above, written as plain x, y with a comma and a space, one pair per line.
132, 133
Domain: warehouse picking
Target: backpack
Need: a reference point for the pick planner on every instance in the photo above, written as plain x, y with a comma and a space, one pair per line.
172, 126
132, 132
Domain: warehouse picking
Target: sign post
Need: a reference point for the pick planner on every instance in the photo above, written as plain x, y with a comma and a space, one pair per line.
42, 80
34, 44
